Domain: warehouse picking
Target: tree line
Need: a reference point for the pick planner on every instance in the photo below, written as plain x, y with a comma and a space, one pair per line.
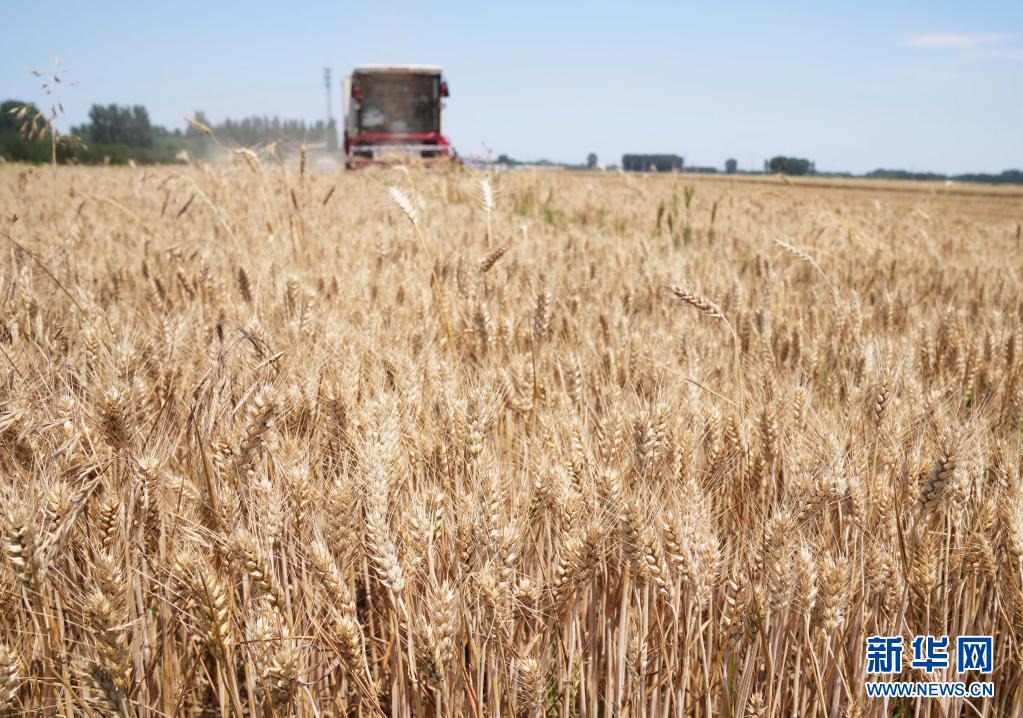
800, 167
1004, 177
253, 131
117, 134
674, 163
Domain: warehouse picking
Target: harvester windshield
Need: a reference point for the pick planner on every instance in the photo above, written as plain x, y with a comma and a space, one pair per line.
399, 103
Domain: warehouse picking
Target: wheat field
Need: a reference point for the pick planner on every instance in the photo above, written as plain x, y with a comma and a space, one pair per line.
277, 442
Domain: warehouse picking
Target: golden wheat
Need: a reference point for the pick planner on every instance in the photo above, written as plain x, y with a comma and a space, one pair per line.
318, 444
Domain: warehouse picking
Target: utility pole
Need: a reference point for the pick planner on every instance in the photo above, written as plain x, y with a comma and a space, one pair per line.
330, 134
326, 83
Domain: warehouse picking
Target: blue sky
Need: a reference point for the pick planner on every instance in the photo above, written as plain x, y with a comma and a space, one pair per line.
854, 86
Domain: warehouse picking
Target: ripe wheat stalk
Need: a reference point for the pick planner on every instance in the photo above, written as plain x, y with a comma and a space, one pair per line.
257, 459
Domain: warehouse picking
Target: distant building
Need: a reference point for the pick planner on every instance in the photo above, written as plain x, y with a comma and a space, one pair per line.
652, 163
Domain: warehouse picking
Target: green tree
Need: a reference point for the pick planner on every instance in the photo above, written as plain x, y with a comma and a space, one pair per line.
20, 140
116, 125
591, 160
657, 163
797, 166
9, 110
731, 166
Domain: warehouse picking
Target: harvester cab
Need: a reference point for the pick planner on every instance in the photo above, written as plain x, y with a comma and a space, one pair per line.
392, 114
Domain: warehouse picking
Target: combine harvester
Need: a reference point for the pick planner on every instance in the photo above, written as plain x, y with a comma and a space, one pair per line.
392, 115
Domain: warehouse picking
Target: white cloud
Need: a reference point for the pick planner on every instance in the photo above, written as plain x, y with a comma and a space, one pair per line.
1011, 53
957, 40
